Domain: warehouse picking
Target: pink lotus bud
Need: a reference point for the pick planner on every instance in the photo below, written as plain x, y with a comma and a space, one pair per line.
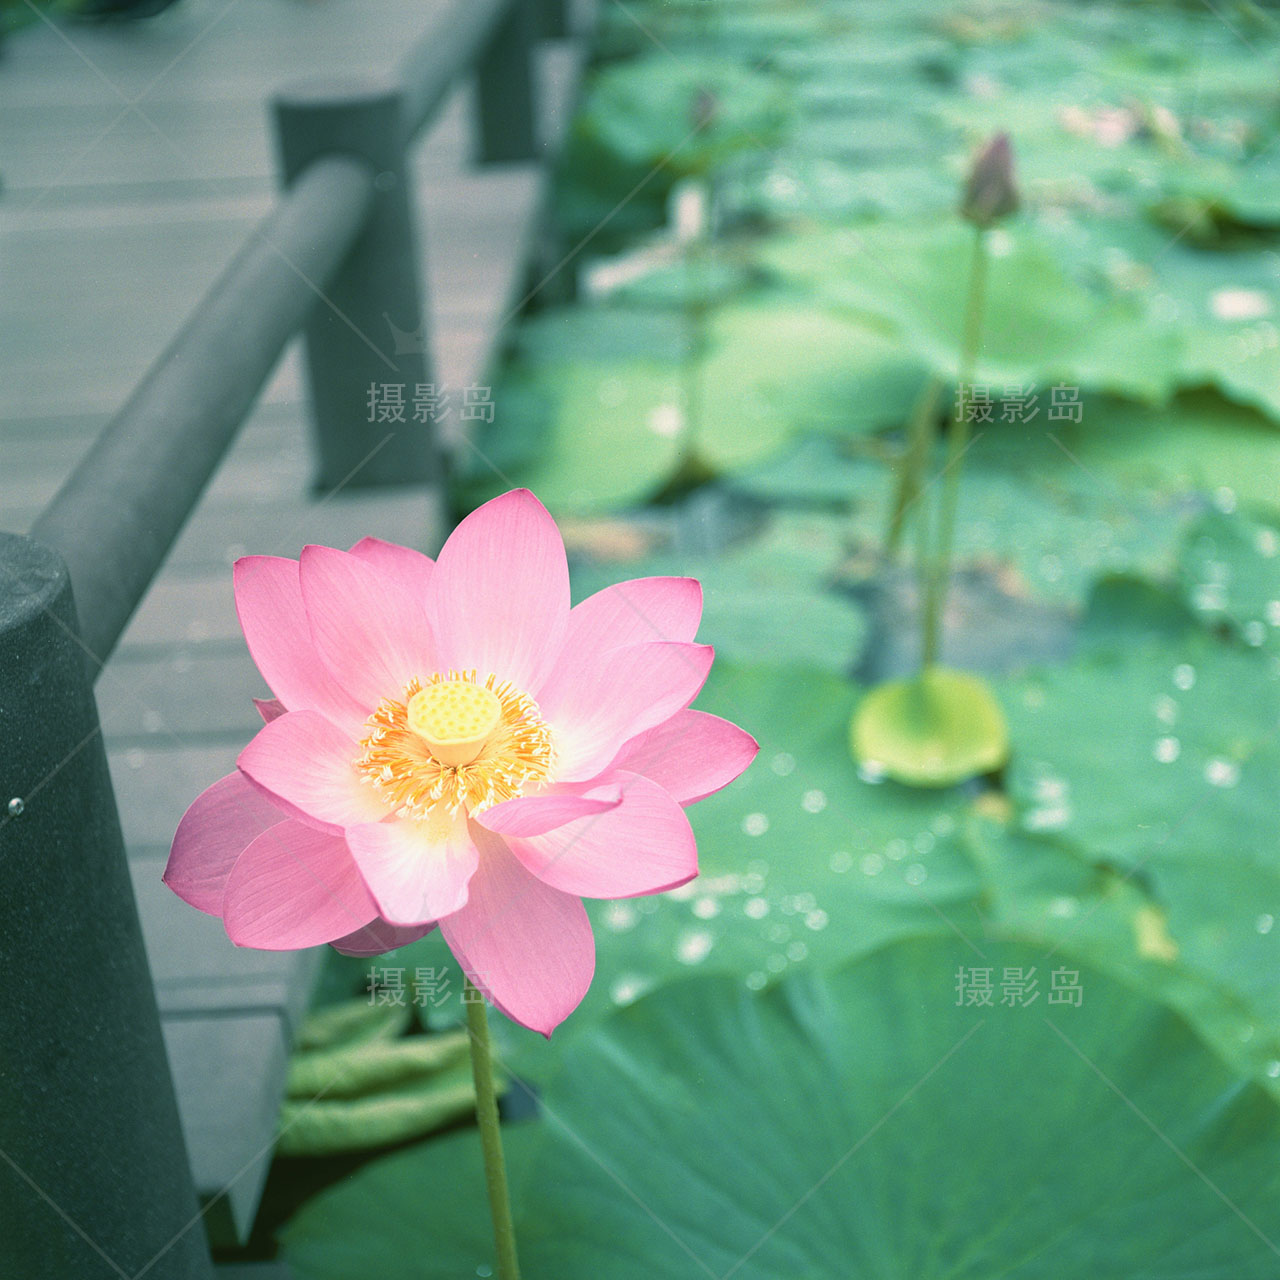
991, 192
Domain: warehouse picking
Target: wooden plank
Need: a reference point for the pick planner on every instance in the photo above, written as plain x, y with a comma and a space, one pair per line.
97, 219
230, 1070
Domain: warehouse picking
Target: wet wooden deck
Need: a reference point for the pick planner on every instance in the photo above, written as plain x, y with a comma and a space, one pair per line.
134, 160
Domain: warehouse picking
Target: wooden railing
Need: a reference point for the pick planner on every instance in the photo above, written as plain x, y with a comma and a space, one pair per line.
89, 1127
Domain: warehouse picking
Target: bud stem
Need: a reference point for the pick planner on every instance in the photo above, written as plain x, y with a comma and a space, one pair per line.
938, 582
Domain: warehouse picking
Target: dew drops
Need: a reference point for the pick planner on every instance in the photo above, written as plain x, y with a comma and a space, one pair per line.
1265, 923
1224, 499
871, 771
1273, 1069
944, 824
923, 843
626, 988
817, 920
872, 864
896, 850
694, 946
755, 824
841, 861
1255, 633
756, 908
16, 806
797, 951
620, 916
1273, 612
783, 764
1064, 908
1166, 709
756, 980
776, 963
814, 801
1222, 773
1184, 676
777, 933
1049, 818
706, 908
1267, 543
1167, 750
665, 420
484, 1269
915, 874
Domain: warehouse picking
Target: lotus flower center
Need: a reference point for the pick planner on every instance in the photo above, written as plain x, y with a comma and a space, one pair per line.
454, 718
454, 742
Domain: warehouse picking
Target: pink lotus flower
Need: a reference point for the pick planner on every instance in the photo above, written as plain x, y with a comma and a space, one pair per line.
453, 744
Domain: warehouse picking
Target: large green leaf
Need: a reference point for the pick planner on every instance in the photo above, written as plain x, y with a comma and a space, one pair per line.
1230, 574
1155, 753
421, 1214
594, 414
1040, 326
872, 1124
767, 599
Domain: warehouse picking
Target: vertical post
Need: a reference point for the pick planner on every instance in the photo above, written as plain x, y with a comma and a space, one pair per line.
94, 1177
367, 344
506, 90
558, 19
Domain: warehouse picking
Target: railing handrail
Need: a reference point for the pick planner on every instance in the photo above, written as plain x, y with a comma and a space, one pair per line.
117, 514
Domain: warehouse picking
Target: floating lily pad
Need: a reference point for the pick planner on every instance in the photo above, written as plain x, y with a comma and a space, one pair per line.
589, 423
1040, 326
1230, 574
931, 730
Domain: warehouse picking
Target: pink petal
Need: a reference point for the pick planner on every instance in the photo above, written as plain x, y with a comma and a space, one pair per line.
220, 824
416, 874
371, 634
536, 815
274, 622
525, 945
269, 709
410, 570
612, 695
380, 936
500, 592
308, 766
295, 887
691, 755
644, 845
634, 612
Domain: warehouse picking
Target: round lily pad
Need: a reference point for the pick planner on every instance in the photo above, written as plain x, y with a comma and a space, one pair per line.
931, 730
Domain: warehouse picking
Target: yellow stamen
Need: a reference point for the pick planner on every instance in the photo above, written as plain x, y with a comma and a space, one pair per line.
454, 718
453, 743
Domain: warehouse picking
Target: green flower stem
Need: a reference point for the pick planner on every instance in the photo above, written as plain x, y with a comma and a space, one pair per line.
939, 580
913, 463
495, 1166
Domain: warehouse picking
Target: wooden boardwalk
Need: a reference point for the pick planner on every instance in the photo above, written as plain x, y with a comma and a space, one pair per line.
134, 160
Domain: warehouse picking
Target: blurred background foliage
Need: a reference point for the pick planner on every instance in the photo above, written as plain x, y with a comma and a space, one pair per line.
770, 277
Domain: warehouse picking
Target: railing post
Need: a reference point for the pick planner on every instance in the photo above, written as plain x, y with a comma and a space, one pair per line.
558, 19
94, 1176
367, 345
506, 90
